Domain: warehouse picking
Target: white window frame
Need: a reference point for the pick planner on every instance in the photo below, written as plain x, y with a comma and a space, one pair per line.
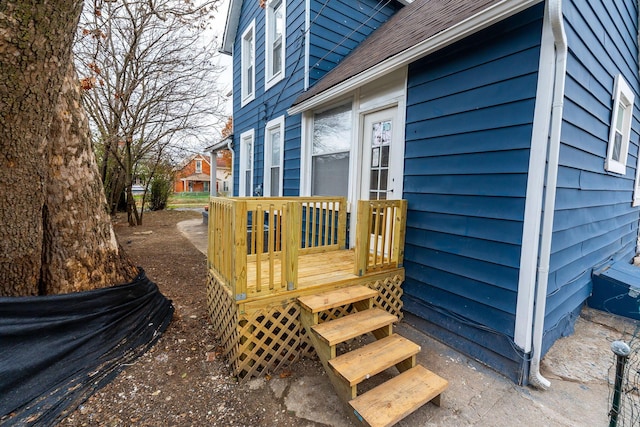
270, 78
306, 175
275, 124
246, 61
198, 166
622, 94
245, 137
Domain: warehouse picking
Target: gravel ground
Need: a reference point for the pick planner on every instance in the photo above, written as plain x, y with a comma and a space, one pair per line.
181, 381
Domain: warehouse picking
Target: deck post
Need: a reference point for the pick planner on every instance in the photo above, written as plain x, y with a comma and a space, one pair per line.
342, 224
399, 230
363, 232
210, 235
239, 254
291, 244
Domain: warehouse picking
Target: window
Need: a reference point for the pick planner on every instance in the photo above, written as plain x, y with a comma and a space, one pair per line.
248, 64
619, 133
246, 164
198, 166
330, 152
273, 157
275, 42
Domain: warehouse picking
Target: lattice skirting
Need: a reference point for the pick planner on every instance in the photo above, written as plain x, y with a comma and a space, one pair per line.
272, 338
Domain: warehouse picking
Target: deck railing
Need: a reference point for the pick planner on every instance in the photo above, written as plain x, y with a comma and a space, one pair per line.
380, 232
272, 233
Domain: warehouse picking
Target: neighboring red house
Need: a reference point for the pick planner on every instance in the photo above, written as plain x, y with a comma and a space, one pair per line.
193, 175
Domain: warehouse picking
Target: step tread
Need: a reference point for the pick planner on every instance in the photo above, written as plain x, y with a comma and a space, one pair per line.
393, 400
337, 298
344, 328
371, 359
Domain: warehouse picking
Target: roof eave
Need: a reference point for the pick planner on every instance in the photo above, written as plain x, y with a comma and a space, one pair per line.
231, 26
459, 31
222, 144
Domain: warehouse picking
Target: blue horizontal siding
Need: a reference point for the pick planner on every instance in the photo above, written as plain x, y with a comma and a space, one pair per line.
501, 162
594, 220
468, 134
273, 102
496, 230
469, 268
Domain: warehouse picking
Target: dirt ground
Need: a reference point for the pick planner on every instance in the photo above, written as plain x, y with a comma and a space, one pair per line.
181, 381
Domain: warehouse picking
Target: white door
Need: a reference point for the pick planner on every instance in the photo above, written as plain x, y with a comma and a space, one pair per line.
381, 169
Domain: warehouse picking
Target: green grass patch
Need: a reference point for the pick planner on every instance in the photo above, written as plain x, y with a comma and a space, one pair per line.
180, 200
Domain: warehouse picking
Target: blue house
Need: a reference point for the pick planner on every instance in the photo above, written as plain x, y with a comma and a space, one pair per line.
509, 126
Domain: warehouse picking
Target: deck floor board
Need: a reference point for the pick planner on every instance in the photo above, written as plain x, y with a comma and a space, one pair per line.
313, 269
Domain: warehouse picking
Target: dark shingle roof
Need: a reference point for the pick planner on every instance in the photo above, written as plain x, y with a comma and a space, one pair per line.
413, 24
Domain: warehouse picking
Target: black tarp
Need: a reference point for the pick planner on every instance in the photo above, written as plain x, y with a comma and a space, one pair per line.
55, 351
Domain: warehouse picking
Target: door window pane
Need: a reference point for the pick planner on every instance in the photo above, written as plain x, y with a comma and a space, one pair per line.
379, 172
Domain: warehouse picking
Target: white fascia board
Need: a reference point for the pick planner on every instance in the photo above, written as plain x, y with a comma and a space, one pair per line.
231, 26
463, 29
219, 145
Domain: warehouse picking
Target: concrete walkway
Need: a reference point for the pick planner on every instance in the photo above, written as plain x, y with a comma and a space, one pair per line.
578, 368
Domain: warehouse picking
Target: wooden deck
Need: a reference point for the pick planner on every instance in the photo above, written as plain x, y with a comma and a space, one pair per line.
264, 253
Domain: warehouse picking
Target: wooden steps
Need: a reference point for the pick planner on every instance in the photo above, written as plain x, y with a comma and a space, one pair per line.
337, 298
365, 362
399, 397
391, 401
354, 325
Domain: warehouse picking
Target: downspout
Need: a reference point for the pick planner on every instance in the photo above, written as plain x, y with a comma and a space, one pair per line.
233, 158
557, 25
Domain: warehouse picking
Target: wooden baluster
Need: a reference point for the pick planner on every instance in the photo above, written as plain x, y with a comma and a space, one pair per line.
383, 234
239, 248
258, 238
375, 212
272, 230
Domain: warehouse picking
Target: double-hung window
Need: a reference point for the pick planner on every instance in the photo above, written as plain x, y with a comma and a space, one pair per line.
248, 64
620, 130
246, 164
198, 166
273, 157
275, 42
330, 152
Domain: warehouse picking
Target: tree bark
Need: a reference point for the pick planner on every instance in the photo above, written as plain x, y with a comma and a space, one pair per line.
80, 251
35, 45
35, 50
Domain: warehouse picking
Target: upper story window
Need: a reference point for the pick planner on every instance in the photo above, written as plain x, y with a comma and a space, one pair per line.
246, 164
620, 130
330, 151
248, 64
275, 42
198, 166
273, 157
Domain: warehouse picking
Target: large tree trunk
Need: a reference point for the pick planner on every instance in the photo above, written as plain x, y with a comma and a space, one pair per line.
80, 251
35, 50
